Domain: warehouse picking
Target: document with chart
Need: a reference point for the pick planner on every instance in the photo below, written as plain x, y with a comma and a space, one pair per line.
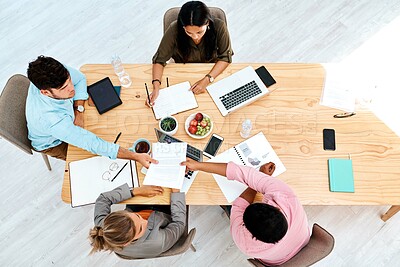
253, 152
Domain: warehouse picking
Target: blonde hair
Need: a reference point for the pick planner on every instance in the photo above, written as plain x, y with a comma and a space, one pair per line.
117, 231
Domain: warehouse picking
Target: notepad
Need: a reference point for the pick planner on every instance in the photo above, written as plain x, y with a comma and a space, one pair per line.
341, 175
253, 152
174, 99
93, 176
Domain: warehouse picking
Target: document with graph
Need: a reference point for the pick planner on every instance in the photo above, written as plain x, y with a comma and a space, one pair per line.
253, 152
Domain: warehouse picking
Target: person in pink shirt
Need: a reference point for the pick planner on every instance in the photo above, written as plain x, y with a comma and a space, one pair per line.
273, 230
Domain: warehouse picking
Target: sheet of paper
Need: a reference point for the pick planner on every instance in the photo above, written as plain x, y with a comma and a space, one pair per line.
168, 172
338, 91
253, 152
174, 99
91, 177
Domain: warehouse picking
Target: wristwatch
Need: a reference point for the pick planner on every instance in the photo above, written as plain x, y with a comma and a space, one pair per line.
79, 108
210, 78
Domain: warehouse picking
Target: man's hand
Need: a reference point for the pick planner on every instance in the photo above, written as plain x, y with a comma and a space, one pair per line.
191, 165
144, 159
78, 119
200, 86
268, 168
147, 191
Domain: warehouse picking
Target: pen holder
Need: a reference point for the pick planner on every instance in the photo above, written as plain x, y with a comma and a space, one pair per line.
141, 145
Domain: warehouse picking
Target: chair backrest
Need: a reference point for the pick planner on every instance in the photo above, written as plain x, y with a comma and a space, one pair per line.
172, 15
321, 245
181, 246
12, 112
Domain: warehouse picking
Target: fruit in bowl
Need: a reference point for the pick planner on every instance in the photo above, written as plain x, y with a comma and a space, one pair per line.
198, 125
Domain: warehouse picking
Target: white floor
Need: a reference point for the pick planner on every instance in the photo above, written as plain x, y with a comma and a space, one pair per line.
38, 229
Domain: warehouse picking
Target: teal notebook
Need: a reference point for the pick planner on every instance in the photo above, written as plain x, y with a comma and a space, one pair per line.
341, 175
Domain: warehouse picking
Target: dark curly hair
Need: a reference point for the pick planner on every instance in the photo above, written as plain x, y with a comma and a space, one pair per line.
46, 73
196, 13
265, 222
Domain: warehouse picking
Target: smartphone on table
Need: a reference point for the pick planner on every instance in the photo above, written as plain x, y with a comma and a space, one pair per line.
213, 145
329, 139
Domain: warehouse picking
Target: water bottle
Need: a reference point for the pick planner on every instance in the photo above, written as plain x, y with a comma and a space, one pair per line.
123, 76
246, 128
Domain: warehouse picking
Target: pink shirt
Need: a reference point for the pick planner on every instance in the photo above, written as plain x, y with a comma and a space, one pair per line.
278, 194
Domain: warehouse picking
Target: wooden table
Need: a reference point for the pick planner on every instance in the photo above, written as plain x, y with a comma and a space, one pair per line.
291, 119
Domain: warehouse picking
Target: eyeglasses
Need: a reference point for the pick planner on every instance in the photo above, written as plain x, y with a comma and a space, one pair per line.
112, 168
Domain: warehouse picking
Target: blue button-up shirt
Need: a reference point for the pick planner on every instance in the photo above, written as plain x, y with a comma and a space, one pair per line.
51, 121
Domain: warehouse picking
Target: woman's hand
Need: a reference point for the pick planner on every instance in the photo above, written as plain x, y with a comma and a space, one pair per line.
147, 191
268, 168
153, 97
191, 165
200, 86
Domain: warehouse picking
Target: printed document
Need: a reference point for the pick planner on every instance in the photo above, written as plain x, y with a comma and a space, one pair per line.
168, 172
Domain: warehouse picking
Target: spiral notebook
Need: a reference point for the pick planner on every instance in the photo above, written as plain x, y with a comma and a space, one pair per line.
253, 152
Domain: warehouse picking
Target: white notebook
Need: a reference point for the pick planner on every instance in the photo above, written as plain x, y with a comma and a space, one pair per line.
168, 172
88, 178
253, 152
174, 99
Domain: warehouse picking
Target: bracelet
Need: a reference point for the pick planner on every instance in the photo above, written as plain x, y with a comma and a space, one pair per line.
156, 80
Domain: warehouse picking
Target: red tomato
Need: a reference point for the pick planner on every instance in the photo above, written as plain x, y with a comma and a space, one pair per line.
199, 117
192, 129
193, 122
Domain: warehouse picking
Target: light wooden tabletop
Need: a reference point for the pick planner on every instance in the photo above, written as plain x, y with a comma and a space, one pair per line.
291, 119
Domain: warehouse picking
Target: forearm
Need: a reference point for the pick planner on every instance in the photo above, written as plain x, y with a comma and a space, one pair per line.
124, 153
218, 68
79, 103
157, 73
217, 168
249, 194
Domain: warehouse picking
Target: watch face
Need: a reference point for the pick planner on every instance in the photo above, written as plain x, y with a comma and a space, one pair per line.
80, 108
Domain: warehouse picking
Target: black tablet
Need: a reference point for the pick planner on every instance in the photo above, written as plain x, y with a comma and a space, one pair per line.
104, 95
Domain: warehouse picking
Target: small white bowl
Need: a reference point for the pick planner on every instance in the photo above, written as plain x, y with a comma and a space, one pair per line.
195, 136
173, 131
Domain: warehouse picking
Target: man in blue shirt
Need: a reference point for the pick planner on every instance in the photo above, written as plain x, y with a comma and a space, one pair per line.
54, 113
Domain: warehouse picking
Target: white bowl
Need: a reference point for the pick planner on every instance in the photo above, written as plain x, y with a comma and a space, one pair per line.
172, 132
187, 123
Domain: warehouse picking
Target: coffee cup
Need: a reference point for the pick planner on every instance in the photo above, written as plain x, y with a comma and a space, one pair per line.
141, 145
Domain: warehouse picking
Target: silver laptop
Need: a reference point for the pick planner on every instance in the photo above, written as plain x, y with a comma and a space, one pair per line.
238, 90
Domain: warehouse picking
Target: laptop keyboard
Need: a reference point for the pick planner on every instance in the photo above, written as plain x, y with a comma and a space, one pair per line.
191, 152
240, 95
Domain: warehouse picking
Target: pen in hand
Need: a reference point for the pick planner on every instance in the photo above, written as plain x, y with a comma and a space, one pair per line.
120, 171
148, 96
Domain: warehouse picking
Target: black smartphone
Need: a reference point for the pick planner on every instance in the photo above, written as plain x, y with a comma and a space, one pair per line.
265, 76
213, 145
329, 139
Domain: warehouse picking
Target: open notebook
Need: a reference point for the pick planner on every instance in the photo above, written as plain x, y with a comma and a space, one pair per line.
93, 176
174, 99
253, 152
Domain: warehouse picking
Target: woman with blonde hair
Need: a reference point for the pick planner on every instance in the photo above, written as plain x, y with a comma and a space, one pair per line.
146, 233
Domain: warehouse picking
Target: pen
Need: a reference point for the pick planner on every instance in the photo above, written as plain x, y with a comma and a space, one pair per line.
119, 171
167, 82
116, 139
147, 92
